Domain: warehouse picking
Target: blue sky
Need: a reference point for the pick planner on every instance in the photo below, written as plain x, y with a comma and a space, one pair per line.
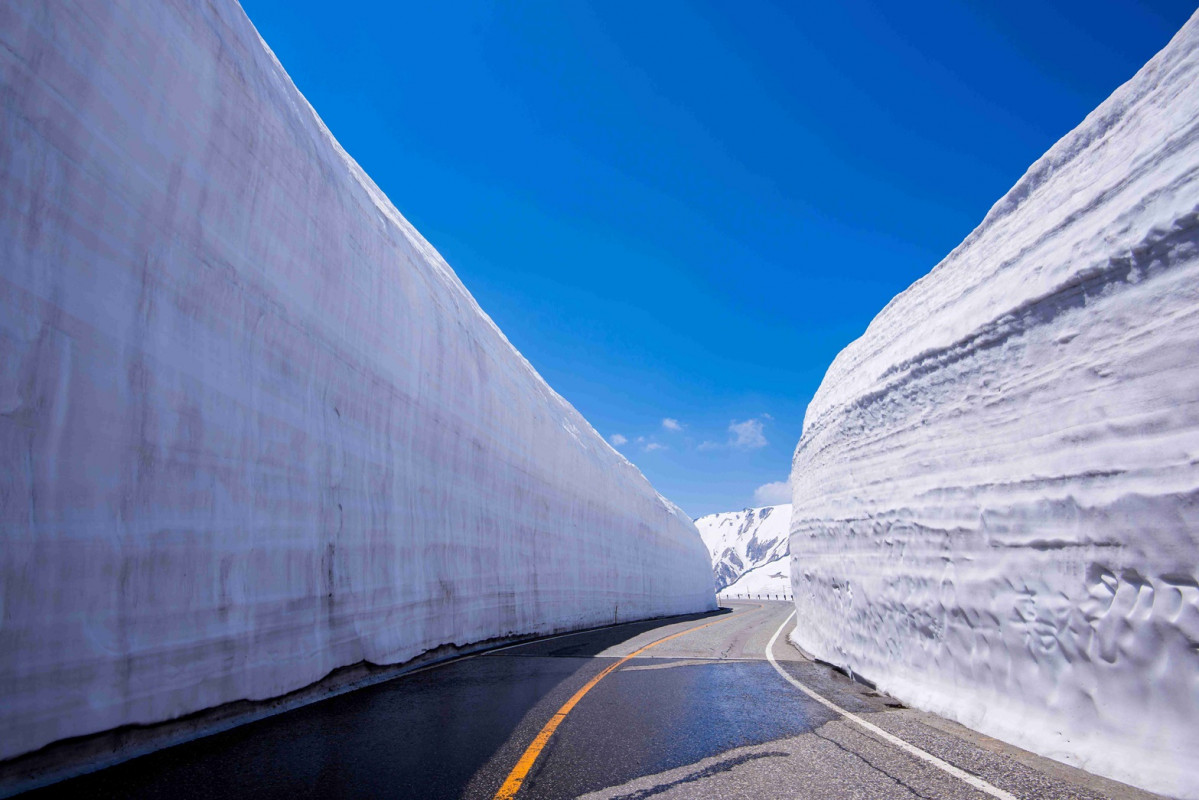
683, 211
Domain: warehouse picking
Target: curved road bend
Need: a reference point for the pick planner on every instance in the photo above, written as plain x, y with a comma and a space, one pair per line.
700, 714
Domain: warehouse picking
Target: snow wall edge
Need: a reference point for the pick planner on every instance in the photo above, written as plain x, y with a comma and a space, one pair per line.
996, 494
252, 427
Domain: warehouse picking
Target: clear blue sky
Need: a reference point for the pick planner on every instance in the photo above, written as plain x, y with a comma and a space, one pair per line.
685, 210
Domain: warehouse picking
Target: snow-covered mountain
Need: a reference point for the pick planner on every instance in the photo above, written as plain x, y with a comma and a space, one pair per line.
771, 580
749, 549
252, 426
997, 485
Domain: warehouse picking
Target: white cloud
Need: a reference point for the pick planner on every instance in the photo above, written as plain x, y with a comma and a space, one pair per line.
709, 446
617, 440
652, 446
640, 439
772, 494
747, 435
671, 425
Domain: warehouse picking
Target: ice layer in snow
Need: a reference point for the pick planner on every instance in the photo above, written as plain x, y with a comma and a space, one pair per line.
748, 549
252, 427
996, 494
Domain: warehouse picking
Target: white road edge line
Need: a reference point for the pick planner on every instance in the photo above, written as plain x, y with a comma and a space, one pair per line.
911, 749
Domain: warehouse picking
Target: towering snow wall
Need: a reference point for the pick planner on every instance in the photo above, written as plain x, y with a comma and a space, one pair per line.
252, 427
996, 495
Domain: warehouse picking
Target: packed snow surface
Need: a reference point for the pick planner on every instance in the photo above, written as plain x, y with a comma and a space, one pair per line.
996, 495
252, 427
749, 549
771, 581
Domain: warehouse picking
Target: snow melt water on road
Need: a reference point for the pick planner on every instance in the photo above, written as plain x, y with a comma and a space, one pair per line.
996, 495
252, 427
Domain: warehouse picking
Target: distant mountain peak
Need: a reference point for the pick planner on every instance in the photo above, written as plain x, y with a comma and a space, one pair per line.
742, 543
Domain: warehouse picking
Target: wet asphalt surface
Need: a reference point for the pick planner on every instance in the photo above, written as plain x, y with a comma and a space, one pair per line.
702, 715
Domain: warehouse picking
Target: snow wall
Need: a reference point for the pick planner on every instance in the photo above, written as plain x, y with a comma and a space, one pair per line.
252, 427
996, 495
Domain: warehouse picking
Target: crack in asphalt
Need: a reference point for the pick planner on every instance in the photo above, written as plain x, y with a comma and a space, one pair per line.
706, 772
874, 767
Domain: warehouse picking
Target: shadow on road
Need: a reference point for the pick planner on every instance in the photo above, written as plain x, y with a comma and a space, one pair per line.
592, 643
430, 734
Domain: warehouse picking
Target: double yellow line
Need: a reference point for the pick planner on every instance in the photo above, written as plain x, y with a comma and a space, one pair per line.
518, 774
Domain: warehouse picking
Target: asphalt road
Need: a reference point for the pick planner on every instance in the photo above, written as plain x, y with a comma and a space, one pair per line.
703, 714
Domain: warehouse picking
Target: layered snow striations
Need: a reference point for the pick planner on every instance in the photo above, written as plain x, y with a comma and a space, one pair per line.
252, 427
748, 550
996, 495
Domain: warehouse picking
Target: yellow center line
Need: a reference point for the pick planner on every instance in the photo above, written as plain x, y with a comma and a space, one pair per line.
518, 774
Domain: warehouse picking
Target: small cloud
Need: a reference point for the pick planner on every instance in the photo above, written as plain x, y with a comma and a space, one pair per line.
640, 440
617, 440
652, 446
772, 494
671, 425
747, 435
709, 446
